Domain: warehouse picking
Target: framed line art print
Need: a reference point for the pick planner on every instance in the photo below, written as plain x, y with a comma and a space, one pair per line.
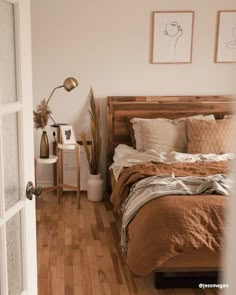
67, 134
172, 34
226, 37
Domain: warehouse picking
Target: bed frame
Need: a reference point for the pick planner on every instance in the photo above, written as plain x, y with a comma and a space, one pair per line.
122, 108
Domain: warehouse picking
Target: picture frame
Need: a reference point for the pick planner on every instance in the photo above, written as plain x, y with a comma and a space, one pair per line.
67, 134
226, 37
172, 34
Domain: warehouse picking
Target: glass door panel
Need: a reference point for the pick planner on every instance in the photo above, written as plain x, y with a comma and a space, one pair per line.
10, 147
14, 255
7, 53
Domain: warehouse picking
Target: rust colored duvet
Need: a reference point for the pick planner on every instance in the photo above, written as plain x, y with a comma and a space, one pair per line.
170, 226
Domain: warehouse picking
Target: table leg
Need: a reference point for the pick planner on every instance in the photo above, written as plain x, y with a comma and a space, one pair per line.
59, 180
35, 172
78, 176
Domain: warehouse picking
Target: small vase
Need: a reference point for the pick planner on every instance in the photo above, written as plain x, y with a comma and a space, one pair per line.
95, 188
44, 146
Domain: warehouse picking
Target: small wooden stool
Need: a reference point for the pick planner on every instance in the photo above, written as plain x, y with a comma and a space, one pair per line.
60, 184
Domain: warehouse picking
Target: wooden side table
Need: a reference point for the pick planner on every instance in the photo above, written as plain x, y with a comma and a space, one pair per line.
60, 184
51, 160
54, 147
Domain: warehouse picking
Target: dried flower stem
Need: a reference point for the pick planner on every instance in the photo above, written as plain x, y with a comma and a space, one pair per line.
93, 151
41, 115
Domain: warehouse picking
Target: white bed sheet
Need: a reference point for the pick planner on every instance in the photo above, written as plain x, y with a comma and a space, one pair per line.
126, 156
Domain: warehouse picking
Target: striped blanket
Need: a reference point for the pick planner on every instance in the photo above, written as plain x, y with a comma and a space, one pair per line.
154, 187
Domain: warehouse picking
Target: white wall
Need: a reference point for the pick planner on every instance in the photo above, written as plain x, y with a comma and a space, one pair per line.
106, 44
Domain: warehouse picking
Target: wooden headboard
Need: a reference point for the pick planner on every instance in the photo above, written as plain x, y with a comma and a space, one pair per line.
119, 108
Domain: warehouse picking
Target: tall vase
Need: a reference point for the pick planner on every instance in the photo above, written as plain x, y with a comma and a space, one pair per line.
44, 146
95, 188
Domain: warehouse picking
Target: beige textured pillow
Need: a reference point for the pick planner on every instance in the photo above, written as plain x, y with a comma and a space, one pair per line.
163, 135
210, 136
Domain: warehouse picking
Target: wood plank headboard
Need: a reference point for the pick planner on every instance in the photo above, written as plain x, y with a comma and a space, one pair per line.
122, 108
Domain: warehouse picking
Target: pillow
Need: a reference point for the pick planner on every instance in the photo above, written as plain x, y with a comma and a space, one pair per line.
210, 136
135, 133
229, 116
135, 128
131, 132
163, 136
121, 150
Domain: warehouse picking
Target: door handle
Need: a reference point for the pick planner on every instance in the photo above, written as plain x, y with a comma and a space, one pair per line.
31, 190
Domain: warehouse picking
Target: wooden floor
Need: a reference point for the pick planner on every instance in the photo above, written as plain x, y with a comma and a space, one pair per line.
79, 253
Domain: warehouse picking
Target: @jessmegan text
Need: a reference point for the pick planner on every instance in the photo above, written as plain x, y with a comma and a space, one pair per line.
211, 286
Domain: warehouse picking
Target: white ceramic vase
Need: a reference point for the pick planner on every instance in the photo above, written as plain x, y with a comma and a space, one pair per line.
95, 188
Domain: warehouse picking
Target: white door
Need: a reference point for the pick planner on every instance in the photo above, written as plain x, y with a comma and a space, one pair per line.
18, 263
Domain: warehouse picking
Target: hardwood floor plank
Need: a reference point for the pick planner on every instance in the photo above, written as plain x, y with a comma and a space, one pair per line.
53, 248
124, 290
68, 236
60, 287
116, 267
78, 290
77, 271
61, 247
93, 267
42, 286
43, 264
69, 278
99, 221
86, 276
51, 286
60, 267
94, 231
79, 252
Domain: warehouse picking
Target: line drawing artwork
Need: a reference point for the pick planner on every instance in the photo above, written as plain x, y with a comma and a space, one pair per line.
226, 37
173, 30
172, 36
232, 44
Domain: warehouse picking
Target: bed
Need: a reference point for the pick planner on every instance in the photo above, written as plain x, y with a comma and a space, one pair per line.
197, 260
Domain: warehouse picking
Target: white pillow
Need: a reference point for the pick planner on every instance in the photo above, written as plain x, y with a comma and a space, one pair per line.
229, 116
121, 150
136, 126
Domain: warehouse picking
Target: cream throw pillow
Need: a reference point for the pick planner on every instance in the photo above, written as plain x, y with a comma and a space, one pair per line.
163, 136
210, 136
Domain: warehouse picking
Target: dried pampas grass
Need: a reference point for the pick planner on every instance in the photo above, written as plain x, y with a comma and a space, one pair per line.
93, 151
41, 115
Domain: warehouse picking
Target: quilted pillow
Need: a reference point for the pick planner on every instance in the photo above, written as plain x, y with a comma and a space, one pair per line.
210, 136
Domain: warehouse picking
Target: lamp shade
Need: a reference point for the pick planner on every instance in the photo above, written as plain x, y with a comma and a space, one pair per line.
70, 83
